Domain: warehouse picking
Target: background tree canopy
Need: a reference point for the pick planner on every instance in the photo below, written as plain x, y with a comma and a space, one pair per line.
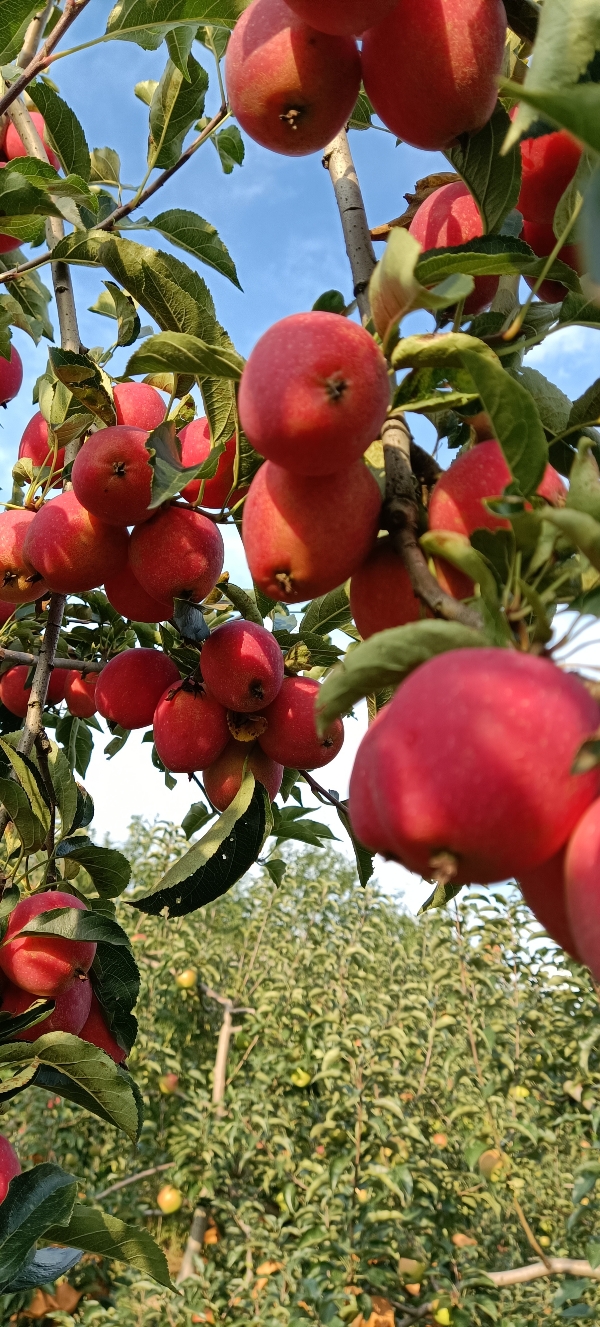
409, 1106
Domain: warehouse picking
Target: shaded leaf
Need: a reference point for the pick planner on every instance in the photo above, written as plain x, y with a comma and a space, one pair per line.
30, 830
220, 859
116, 981
96, 1232
79, 923
83, 378
108, 869
64, 130
94, 1079
494, 180
47, 1265
35, 1201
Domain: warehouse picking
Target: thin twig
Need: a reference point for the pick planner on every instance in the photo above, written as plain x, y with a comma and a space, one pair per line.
31, 660
318, 790
37, 63
133, 1179
243, 1059
531, 1239
125, 210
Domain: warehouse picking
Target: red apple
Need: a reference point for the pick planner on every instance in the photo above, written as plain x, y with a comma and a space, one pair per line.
450, 217
44, 965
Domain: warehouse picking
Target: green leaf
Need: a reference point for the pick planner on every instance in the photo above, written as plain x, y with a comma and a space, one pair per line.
361, 117
493, 180
584, 479
47, 1265
147, 22
490, 255
395, 289
331, 612
177, 352
169, 475
386, 659
65, 787
108, 1237
578, 311
172, 293
286, 826
231, 148
192, 233
175, 106
589, 228
33, 297
581, 529
11, 1024
106, 166
83, 378
35, 1201
458, 550
126, 314
365, 861
196, 817
30, 830
64, 130
14, 20
116, 981
77, 741
108, 869
78, 923
24, 196
276, 868
29, 779
220, 859
515, 418
94, 1080
244, 601
331, 301
574, 108
441, 897
179, 46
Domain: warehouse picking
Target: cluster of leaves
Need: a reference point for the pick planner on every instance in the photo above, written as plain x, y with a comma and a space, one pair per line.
379, 1059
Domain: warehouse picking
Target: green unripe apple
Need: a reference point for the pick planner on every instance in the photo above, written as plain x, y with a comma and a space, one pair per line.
169, 1200
187, 979
168, 1084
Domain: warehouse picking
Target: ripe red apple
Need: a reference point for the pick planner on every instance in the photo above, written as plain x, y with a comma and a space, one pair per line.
450, 217
195, 448
129, 687
473, 757
13, 146
124, 592
291, 737
71, 549
10, 1166
242, 666
19, 580
179, 553
15, 694
457, 501
342, 18
542, 240
11, 376
544, 891
190, 728
223, 779
314, 393
291, 88
69, 1015
431, 69
35, 446
6, 612
99, 1034
549, 164
44, 965
8, 243
582, 881
381, 594
80, 693
112, 475
304, 536
168, 1084
138, 405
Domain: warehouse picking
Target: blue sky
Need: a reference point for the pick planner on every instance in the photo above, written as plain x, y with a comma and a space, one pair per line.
278, 218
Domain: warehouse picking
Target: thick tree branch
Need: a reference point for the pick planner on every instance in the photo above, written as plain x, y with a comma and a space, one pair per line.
34, 35
125, 209
35, 64
401, 517
193, 1248
337, 159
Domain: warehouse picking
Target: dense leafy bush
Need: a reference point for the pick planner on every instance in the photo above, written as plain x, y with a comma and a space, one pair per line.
380, 1059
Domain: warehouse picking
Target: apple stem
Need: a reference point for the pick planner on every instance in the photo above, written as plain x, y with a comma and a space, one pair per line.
401, 518
337, 159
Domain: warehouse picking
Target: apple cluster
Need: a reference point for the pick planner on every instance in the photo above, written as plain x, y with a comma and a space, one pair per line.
294, 70
48, 967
